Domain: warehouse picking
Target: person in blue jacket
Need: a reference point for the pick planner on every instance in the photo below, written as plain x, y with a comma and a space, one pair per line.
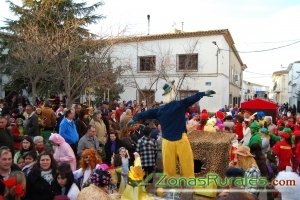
67, 129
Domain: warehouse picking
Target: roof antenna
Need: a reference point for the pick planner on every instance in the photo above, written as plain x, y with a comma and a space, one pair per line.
148, 17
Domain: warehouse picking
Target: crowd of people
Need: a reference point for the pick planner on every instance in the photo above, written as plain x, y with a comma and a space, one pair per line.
54, 152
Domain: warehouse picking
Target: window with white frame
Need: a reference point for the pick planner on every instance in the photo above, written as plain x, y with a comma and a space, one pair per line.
147, 63
187, 61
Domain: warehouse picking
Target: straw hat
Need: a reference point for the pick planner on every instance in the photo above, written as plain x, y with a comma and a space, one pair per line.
243, 151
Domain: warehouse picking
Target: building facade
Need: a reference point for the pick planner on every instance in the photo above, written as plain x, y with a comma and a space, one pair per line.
294, 84
197, 61
253, 90
280, 86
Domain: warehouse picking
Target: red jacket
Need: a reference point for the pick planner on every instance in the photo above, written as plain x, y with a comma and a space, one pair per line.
283, 151
238, 129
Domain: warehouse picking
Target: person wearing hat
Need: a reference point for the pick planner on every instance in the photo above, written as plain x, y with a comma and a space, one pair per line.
210, 125
203, 120
264, 134
245, 160
283, 149
96, 187
255, 137
171, 116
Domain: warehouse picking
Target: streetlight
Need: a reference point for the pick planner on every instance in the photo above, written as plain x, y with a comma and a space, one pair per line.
217, 54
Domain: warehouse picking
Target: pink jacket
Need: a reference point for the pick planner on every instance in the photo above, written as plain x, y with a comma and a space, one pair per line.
63, 151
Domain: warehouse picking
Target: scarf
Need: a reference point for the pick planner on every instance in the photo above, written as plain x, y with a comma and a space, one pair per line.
47, 176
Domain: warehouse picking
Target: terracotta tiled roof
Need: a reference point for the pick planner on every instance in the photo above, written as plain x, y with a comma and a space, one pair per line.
164, 36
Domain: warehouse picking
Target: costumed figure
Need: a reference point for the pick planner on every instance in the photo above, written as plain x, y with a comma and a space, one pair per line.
210, 125
283, 149
175, 143
203, 120
89, 162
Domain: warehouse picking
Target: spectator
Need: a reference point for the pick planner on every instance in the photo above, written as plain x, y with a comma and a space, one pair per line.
128, 143
40, 181
114, 124
6, 163
112, 146
65, 182
31, 124
82, 122
67, 129
30, 159
246, 133
21, 162
146, 147
125, 118
15, 132
39, 144
245, 161
6, 138
119, 111
98, 123
63, 151
26, 146
238, 127
89, 141
228, 122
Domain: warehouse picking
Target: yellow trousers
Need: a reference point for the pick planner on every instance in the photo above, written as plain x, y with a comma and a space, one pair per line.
181, 149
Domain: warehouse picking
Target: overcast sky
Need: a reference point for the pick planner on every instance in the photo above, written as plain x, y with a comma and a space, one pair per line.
254, 25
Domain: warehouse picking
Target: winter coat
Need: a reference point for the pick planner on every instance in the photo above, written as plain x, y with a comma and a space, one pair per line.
100, 130
63, 152
38, 188
68, 131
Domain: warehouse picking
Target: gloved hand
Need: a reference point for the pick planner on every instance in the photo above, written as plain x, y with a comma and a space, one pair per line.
209, 93
130, 123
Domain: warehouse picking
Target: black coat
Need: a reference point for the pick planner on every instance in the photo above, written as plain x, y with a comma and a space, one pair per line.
108, 153
38, 188
6, 139
130, 145
32, 126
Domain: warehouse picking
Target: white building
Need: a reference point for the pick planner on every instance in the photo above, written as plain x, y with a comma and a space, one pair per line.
197, 61
294, 83
253, 90
280, 86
